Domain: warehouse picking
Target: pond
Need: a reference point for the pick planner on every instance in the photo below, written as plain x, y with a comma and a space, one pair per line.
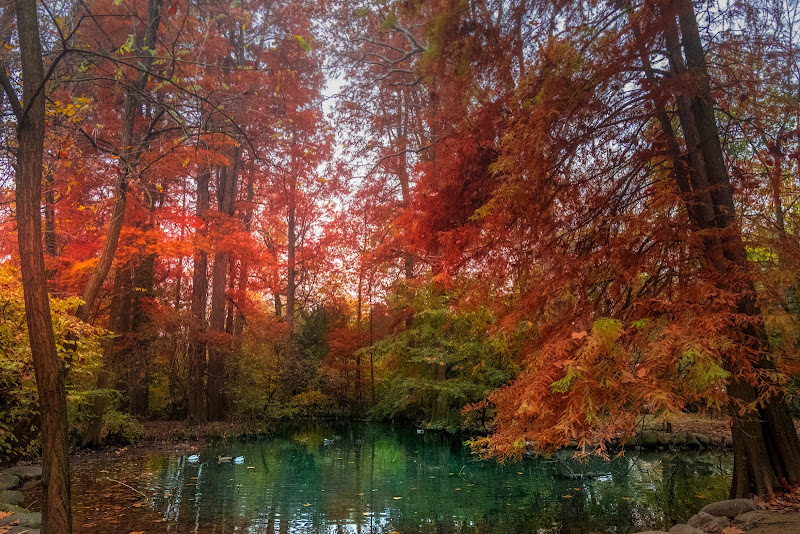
367, 478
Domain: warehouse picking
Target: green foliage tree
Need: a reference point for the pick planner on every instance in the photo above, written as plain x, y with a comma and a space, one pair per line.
446, 361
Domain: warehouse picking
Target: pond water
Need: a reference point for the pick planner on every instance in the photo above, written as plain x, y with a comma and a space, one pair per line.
364, 478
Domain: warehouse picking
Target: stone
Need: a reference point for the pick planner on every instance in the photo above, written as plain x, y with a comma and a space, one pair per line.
679, 440
12, 497
692, 442
730, 508
25, 472
30, 519
32, 483
11, 508
664, 438
684, 529
648, 438
707, 522
748, 520
9, 481
704, 440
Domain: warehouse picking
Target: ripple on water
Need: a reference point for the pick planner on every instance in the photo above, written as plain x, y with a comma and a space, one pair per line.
363, 478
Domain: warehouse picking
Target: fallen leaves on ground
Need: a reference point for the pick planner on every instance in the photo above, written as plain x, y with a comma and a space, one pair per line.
782, 502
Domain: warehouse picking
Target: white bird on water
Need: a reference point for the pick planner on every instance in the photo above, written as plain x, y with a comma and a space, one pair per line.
194, 458
239, 460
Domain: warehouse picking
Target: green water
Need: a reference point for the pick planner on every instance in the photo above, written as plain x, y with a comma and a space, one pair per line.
359, 478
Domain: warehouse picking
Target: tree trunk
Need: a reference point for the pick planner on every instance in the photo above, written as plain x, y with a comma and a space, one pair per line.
226, 197
766, 445
291, 238
129, 153
244, 267
50, 243
197, 331
93, 435
291, 365
405, 183
141, 338
50, 373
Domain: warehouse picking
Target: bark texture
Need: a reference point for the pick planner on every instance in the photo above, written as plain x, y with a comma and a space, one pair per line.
766, 445
226, 203
50, 373
197, 344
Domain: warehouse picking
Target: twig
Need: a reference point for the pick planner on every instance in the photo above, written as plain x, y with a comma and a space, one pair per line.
129, 487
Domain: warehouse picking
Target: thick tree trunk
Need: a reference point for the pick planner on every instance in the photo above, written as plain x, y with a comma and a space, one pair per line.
766, 445
50, 373
197, 344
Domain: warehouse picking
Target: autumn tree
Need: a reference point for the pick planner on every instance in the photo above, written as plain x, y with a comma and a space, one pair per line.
50, 371
587, 191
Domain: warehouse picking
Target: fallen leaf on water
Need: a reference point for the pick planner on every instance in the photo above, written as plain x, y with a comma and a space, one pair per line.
307, 504
566, 496
397, 498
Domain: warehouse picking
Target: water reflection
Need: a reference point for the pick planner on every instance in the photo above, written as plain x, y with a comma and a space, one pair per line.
361, 478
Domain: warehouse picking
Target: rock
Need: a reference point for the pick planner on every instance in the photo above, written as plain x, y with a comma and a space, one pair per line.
9, 481
730, 508
11, 497
32, 520
684, 529
679, 440
664, 438
707, 522
748, 520
704, 440
692, 442
648, 438
32, 483
11, 508
25, 472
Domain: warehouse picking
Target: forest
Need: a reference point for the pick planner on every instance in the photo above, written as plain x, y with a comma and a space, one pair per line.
532, 224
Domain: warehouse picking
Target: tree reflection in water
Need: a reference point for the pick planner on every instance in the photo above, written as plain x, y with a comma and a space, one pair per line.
364, 478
